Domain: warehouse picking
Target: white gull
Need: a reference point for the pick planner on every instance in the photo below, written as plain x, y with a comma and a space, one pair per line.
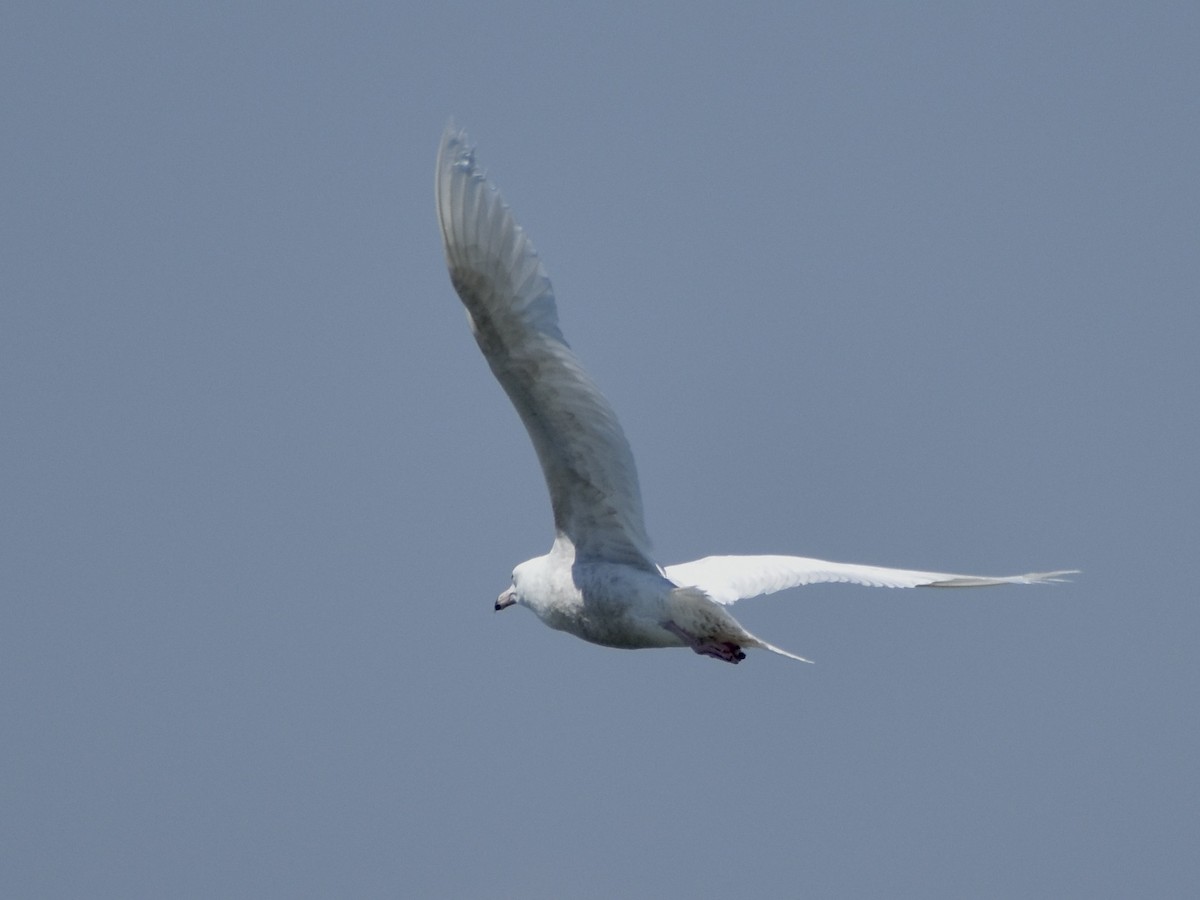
599, 581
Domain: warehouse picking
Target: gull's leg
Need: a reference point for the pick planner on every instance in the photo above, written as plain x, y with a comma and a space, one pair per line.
726, 650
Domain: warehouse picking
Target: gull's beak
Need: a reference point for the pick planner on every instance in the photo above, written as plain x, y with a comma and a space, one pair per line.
507, 599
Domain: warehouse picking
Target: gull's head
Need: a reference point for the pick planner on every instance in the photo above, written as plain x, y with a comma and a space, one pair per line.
527, 581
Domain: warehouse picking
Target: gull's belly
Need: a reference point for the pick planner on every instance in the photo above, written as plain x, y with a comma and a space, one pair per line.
613, 606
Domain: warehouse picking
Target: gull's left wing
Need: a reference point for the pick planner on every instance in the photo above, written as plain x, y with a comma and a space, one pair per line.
727, 579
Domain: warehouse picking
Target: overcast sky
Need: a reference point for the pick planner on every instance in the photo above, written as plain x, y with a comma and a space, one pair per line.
904, 284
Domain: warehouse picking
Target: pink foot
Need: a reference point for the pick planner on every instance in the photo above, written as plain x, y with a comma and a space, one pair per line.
726, 650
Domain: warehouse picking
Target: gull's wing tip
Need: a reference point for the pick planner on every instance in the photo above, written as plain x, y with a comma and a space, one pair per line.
454, 146
1059, 577
452, 134
953, 581
1055, 577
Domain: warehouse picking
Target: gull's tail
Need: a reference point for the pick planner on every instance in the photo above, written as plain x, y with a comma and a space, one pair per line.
763, 645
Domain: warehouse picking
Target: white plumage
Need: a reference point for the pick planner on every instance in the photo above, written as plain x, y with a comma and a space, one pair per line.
599, 581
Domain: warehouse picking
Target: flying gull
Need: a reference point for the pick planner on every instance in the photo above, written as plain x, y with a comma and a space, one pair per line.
599, 581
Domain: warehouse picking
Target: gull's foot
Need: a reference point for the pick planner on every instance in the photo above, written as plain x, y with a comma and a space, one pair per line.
724, 650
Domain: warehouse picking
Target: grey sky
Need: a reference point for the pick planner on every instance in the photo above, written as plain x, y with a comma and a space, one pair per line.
907, 284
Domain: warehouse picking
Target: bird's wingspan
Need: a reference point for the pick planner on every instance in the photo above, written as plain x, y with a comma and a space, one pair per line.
727, 579
585, 457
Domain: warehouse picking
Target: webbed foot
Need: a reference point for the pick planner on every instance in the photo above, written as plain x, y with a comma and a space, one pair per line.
723, 650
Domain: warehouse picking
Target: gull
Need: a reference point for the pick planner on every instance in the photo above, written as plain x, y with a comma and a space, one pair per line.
599, 581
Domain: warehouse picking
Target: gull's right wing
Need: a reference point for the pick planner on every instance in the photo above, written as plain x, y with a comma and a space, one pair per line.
585, 457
